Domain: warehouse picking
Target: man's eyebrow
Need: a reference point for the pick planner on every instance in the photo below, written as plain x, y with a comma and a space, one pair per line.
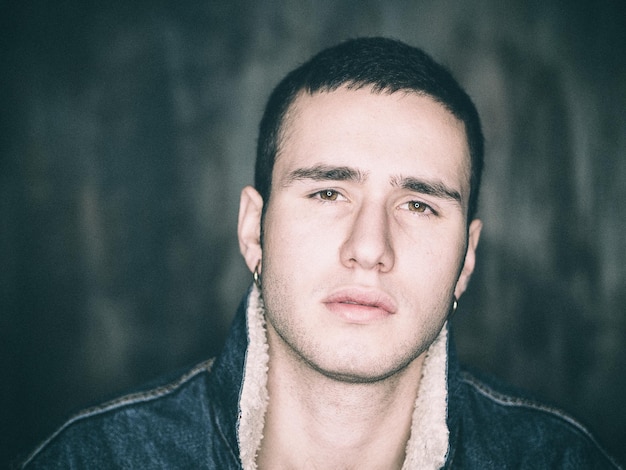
436, 189
325, 173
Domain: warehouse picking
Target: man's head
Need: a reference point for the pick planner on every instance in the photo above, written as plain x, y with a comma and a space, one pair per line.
385, 65
365, 200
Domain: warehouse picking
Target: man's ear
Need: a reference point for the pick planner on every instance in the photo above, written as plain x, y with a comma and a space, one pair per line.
470, 257
249, 226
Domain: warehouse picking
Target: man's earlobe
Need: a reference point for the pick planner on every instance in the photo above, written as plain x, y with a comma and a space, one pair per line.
470, 257
249, 226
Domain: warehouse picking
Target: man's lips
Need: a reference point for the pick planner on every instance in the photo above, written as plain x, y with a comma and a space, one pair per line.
361, 298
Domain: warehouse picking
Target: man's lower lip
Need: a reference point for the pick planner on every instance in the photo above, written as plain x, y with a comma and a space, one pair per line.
357, 313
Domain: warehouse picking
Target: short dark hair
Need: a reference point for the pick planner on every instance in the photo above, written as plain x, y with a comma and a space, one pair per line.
384, 64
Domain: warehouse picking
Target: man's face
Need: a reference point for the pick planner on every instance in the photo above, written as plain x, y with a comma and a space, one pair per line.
365, 233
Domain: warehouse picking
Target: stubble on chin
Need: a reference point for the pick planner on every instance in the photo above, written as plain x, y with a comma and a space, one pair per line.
308, 358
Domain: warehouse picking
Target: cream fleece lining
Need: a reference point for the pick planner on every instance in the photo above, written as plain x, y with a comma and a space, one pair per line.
428, 444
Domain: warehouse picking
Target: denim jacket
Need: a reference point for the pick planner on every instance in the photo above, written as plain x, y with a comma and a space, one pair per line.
212, 415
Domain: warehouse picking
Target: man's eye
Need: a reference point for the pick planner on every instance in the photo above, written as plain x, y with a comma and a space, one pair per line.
419, 207
328, 195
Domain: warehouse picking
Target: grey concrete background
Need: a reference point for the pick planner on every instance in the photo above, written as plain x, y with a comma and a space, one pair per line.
127, 130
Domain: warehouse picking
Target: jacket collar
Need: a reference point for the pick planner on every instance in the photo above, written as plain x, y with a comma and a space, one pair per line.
225, 381
239, 393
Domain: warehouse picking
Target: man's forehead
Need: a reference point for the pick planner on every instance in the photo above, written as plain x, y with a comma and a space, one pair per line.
304, 100
293, 120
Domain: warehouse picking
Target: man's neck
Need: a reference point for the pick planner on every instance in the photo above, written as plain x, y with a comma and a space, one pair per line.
314, 421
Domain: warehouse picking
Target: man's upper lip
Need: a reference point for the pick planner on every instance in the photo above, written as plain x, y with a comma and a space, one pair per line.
362, 296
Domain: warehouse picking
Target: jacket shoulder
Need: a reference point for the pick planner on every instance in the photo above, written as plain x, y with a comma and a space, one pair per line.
131, 426
502, 425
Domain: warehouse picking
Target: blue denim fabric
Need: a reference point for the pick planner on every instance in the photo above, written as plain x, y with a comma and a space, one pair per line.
494, 427
191, 422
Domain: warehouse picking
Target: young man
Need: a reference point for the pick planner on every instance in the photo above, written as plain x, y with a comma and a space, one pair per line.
361, 235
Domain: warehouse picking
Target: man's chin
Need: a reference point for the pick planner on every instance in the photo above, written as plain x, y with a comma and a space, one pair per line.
363, 374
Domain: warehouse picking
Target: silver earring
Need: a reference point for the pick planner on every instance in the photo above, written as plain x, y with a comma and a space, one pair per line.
256, 276
455, 304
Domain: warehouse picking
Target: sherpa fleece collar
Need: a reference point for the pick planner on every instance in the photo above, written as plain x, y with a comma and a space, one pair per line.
428, 444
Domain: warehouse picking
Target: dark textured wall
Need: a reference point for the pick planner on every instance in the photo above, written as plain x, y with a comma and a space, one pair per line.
127, 130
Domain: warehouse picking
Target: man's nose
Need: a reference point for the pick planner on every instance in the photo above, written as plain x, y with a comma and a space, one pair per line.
368, 243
